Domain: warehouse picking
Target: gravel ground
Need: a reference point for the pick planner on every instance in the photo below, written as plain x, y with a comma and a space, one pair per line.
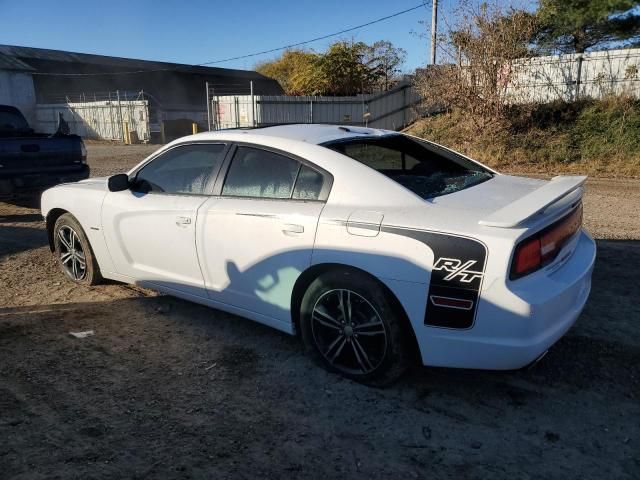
169, 389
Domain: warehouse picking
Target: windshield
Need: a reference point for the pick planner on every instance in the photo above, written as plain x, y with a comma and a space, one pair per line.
426, 169
12, 122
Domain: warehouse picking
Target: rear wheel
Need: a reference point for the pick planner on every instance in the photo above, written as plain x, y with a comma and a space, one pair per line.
350, 326
73, 251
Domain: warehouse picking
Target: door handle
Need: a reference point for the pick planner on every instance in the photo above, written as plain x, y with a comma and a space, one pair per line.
291, 228
180, 221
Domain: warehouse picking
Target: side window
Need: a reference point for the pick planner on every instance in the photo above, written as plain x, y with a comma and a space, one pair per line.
259, 173
308, 185
184, 169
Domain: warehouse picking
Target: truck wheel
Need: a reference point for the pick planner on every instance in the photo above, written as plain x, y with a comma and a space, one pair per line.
349, 325
73, 251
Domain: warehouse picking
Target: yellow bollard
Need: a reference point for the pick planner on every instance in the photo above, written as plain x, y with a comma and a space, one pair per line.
194, 128
127, 133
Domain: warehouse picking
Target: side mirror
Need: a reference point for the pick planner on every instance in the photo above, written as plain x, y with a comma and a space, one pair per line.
118, 183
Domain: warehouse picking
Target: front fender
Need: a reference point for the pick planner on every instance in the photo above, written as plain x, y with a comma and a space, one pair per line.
84, 202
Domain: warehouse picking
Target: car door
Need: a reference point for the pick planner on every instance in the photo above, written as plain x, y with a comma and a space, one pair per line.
257, 236
150, 228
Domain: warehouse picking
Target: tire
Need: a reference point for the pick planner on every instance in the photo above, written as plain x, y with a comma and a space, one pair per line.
71, 248
372, 348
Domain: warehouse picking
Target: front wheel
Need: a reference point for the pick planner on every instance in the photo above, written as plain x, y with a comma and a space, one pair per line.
73, 251
350, 326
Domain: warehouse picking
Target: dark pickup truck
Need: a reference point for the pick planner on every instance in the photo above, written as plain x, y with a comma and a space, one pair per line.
32, 162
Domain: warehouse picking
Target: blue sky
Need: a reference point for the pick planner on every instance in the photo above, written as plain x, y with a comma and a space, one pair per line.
197, 31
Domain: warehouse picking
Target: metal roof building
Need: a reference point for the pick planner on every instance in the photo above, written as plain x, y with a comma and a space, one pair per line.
8, 62
57, 73
16, 85
156, 98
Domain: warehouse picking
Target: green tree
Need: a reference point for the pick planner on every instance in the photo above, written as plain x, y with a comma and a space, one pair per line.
343, 69
297, 71
577, 25
384, 61
346, 68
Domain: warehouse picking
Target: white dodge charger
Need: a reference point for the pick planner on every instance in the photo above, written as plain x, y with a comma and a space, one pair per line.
375, 246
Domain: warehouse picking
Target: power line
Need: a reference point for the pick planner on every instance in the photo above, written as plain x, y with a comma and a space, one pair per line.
324, 37
240, 57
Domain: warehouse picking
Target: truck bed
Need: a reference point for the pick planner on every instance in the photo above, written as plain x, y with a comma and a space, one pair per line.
32, 161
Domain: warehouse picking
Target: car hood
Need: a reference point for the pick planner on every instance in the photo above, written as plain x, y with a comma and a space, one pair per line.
93, 180
94, 183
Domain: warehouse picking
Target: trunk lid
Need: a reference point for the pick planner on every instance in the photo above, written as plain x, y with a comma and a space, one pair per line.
549, 198
508, 201
490, 196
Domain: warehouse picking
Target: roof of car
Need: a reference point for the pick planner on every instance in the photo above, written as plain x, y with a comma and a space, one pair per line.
310, 133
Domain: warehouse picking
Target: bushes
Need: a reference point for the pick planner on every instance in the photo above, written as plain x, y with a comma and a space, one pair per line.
609, 130
591, 136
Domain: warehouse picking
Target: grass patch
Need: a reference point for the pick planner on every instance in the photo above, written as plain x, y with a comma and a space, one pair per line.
595, 137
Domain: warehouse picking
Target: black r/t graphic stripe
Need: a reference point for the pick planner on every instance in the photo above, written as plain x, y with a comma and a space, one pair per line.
462, 280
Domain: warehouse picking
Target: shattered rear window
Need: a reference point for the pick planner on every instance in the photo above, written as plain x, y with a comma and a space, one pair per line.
426, 169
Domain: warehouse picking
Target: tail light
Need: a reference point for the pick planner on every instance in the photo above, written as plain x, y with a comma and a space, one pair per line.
541, 249
83, 152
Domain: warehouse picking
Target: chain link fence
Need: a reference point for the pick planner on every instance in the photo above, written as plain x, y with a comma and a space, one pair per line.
121, 116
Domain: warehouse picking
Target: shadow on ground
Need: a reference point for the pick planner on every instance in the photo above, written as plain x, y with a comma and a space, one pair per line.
20, 239
170, 389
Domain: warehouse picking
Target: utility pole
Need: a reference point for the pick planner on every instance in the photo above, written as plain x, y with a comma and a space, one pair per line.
434, 30
208, 107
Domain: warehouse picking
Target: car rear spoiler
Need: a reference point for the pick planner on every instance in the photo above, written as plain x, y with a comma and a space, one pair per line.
536, 202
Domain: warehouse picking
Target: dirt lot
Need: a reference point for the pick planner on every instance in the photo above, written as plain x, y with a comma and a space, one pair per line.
169, 389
